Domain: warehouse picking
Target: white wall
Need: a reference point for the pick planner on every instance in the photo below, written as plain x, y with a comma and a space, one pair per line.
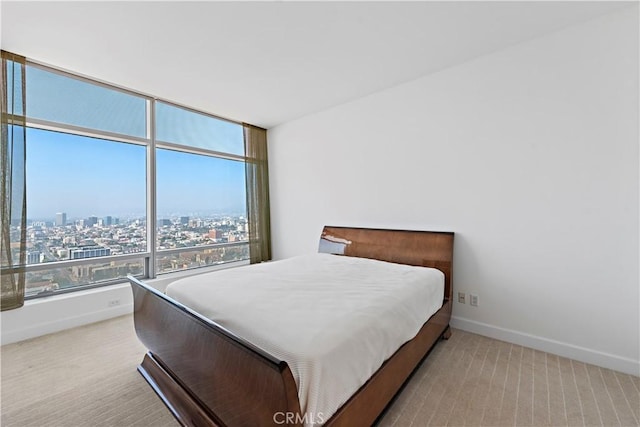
530, 155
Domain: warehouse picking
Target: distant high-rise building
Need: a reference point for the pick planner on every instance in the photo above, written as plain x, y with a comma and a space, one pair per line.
107, 221
213, 234
91, 221
61, 219
184, 220
88, 252
34, 257
164, 222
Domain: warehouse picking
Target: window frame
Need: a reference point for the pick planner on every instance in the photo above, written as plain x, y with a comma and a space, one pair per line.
150, 256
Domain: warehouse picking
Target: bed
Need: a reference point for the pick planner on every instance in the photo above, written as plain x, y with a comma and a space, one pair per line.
209, 375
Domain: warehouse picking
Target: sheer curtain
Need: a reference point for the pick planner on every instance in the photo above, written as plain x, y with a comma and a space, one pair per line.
257, 182
13, 245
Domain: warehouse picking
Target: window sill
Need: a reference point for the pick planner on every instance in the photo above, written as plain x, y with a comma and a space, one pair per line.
54, 313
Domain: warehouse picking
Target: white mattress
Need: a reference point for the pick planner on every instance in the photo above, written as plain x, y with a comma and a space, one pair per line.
333, 319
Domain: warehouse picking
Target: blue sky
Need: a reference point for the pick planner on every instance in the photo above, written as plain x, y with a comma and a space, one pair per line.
87, 176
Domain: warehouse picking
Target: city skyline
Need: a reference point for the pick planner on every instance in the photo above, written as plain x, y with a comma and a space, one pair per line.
200, 242
133, 216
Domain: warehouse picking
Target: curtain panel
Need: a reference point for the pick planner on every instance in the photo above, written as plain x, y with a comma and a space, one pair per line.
257, 182
13, 243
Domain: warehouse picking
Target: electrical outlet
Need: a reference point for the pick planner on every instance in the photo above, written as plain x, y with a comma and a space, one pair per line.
473, 300
461, 297
113, 303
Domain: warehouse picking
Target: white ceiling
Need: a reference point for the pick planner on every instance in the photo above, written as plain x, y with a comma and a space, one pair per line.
270, 62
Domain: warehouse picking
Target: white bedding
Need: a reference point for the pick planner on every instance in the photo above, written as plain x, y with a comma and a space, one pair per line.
333, 319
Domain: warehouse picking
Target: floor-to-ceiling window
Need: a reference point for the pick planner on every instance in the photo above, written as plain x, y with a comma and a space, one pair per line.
200, 188
120, 183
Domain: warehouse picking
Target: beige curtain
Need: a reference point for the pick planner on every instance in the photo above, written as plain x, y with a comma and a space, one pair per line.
257, 182
13, 244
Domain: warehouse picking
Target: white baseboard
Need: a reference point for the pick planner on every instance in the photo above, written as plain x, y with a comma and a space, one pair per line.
582, 354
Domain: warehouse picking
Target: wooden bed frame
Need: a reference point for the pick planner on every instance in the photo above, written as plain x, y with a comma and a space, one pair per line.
207, 376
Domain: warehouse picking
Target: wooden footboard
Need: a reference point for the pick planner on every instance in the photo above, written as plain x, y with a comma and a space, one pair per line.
205, 374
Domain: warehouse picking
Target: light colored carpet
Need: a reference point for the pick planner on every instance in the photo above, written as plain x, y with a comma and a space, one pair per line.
87, 377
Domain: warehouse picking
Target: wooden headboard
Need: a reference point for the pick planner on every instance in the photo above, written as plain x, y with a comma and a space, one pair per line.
422, 248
